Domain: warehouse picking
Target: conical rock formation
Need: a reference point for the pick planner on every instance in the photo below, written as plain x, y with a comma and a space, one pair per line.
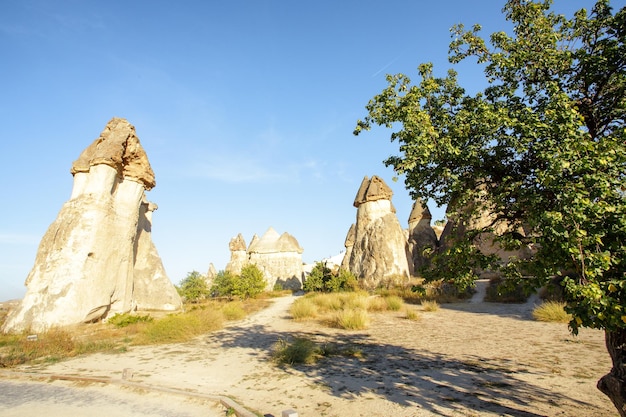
97, 258
422, 237
380, 248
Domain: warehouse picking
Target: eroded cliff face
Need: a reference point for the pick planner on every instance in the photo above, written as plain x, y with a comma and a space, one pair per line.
97, 258
379, 244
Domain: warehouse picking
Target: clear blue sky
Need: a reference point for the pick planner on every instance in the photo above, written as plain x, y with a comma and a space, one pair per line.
245, 109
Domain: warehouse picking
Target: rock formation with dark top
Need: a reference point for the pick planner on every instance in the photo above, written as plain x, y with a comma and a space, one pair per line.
380, 247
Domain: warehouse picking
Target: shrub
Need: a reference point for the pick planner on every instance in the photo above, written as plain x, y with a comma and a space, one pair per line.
552, 311
394, 303
315, 281
430, 305
355, 319
126, 319
222, 284
377, 304
299, 350
411, 314
323, 279
504, 291
354, 300
193, 287
303, 308
250, 283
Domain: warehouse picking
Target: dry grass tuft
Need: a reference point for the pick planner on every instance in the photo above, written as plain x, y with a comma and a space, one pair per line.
352, 319
552, 311
430, 306
411, 314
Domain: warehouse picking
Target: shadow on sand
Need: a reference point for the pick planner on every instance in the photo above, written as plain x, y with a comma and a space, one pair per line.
421, 379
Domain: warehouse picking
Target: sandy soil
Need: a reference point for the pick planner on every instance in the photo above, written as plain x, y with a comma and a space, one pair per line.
466, 359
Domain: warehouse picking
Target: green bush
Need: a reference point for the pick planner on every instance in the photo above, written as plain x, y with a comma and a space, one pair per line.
222, 284
126, 319
299, 350
504, 291
193, 288
323, 279
250, 283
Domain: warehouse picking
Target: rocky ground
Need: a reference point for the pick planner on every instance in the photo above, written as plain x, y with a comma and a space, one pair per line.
466, 359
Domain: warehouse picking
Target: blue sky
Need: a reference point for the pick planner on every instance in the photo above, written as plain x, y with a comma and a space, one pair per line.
245, 108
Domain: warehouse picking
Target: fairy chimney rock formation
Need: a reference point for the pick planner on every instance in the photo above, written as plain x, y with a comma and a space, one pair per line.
279, 257
349, 244
210, 275
422, 236
238, 255
380, 245
97, 258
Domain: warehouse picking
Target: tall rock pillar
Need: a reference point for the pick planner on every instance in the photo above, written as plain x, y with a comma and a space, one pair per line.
90, 256
380, 248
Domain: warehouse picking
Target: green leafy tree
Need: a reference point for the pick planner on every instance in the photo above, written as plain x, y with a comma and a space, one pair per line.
542, 147
223, 284
250, 283
193, 287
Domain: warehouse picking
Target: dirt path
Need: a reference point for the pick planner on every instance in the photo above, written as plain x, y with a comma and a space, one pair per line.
467, 359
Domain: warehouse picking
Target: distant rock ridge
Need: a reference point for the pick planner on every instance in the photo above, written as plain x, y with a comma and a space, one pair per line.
279, 257
97, 258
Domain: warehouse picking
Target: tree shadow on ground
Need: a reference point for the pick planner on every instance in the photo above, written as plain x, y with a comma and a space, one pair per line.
518, 311
437, 383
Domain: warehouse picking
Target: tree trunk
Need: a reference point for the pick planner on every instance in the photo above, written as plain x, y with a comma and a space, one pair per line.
613, 384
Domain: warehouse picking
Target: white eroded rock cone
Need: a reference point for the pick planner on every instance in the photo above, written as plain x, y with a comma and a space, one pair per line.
97, 258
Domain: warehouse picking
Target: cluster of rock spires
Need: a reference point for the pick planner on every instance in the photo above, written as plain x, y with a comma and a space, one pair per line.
279, 257
98, 258
378, 249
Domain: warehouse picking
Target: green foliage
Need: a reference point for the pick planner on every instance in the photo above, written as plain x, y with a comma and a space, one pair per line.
250, 283
323, 279
542, 148
126, 319
505, 291
193, 288
299, 351
222, 284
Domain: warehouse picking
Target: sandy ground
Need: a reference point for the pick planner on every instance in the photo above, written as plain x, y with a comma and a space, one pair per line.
466, 359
